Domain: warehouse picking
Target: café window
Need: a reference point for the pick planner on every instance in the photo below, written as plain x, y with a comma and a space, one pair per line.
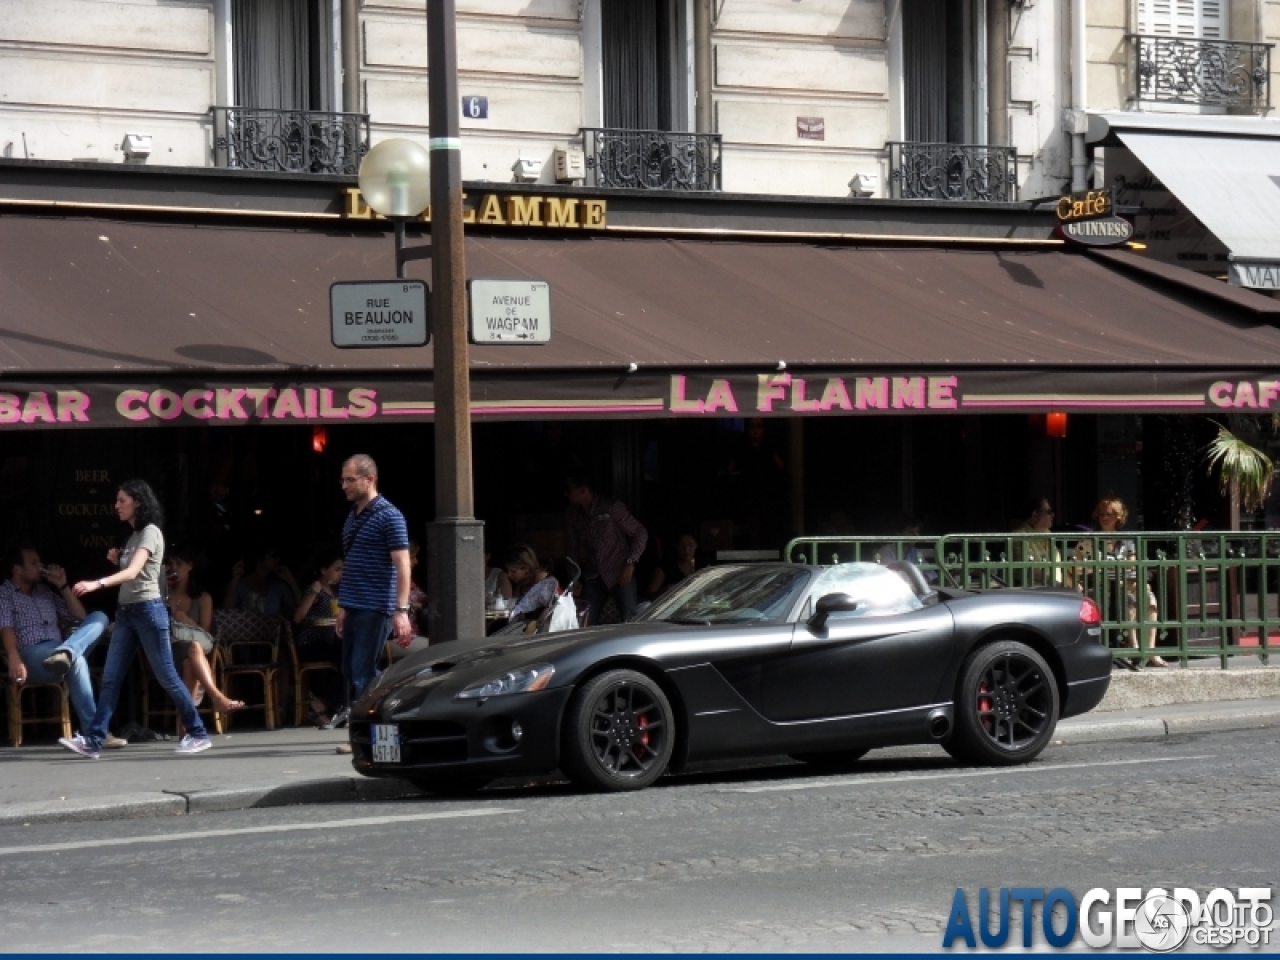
1197, 19
938, 71
283, 54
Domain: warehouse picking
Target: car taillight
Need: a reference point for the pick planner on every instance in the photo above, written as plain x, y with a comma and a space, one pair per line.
1090, 615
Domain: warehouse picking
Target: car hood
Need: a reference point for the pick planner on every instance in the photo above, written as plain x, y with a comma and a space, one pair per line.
453, 666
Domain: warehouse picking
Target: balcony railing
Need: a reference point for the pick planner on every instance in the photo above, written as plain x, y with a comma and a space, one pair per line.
289, 141
1219, 73
953, 171
651, 159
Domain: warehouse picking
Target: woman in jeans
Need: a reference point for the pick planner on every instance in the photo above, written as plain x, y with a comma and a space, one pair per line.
141, 618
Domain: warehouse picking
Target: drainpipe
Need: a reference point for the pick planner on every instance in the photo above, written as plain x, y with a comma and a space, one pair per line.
1079, 95
704, 114
350, 56
998, 72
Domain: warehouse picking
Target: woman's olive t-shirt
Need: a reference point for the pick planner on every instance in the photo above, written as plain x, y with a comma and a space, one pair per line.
146, 585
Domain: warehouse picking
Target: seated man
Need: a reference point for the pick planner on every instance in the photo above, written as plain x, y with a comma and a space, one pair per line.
34, 602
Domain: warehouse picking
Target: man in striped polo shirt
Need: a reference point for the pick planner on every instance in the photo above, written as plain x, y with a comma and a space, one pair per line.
373, 600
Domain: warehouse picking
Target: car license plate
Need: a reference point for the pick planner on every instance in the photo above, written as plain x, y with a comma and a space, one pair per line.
386, 742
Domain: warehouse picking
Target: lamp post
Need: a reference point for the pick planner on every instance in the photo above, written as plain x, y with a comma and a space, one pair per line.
391, 181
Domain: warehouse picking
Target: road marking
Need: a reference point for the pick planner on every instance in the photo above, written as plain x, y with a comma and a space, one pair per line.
859, 781
247, 831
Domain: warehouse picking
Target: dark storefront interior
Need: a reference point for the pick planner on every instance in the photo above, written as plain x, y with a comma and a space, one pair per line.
230, 490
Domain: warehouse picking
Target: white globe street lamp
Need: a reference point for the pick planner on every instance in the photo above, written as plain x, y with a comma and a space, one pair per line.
395, 178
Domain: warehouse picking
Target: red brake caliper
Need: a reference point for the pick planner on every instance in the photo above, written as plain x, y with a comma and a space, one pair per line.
985, 704
643, 721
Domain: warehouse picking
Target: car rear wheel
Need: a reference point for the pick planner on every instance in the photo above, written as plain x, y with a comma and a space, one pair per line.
1007, 706
831, 759
618, 733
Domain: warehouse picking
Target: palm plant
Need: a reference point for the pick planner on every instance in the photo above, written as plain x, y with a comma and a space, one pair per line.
1244, 472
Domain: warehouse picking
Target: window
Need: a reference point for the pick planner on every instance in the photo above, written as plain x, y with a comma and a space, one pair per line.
879, 591
1198, 19
283, 54
638, 44
938, 71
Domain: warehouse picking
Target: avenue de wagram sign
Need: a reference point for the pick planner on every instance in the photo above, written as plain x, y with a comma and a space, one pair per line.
514, 395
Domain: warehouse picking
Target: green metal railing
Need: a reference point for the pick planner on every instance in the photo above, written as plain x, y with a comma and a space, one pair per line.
1176, 595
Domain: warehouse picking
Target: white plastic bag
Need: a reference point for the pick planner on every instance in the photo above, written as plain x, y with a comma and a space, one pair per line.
564, 616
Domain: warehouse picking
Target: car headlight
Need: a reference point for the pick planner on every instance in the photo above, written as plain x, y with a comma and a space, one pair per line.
524, 680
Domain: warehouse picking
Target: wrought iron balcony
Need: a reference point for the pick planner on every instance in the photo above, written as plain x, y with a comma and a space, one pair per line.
289, 141
953, 171
651, 159
1220, 73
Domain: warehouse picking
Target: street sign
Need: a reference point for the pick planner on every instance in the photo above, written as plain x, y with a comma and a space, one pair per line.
1258, 274
510, 311
379, 313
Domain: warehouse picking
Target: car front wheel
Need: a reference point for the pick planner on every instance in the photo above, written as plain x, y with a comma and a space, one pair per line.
619, 732
1007, 706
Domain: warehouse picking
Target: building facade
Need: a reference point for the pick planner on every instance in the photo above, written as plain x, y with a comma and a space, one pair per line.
789, 98
837, 215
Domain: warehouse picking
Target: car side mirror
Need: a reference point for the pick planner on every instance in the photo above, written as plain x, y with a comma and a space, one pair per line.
831, 603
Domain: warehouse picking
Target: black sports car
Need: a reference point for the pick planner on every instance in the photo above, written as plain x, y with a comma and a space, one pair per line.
821, 663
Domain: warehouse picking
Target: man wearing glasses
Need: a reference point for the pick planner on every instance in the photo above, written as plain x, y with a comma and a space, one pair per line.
1038, 550
373, 602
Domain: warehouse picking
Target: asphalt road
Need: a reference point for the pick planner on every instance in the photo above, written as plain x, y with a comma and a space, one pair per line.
772, 858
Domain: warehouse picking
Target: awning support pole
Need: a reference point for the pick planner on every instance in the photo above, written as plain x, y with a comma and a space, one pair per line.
455, 539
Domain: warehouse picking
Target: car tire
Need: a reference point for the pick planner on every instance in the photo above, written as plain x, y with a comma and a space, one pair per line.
831, 759
1006, 705
619, 732
450, 786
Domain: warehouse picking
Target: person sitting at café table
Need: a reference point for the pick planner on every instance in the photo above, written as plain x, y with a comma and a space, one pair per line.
34, 603
1110, 515
1037, 551
533, 589
318, 640
191, 620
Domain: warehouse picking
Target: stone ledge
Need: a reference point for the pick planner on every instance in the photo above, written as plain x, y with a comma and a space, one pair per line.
1160, 688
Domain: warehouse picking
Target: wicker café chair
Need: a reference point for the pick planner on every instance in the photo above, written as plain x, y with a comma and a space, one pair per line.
25, 703
251, 643
303, 672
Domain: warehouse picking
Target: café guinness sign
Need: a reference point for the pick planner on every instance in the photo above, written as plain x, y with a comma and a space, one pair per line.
1104, 232
1085, 206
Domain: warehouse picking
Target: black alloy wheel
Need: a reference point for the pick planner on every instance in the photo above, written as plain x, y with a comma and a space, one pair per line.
618, 733
1007, 706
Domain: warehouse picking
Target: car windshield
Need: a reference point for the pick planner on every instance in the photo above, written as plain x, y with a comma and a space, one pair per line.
732, 595
879, 591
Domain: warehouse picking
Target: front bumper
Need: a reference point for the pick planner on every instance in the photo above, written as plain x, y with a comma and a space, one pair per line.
468, 737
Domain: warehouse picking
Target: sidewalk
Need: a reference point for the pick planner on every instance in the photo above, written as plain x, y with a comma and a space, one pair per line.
44, 783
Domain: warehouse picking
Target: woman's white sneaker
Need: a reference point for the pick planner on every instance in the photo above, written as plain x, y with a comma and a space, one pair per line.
80, 745
192, 744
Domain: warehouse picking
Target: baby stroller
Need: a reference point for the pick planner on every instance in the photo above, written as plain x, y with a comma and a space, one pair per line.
554, 617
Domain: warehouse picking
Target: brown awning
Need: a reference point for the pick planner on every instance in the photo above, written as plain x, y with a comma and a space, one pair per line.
99, 305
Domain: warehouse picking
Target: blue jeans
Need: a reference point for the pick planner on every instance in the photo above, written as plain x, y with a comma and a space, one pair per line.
596, 595
145, 623
78, 645
364, 634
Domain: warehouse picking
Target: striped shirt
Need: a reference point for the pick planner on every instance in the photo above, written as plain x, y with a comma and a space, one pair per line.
369, 575
35, 617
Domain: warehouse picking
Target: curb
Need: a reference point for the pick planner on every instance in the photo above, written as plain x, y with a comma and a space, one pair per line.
1092, 728
134, 806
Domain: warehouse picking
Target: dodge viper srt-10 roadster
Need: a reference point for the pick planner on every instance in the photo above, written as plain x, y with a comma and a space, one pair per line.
819, 663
